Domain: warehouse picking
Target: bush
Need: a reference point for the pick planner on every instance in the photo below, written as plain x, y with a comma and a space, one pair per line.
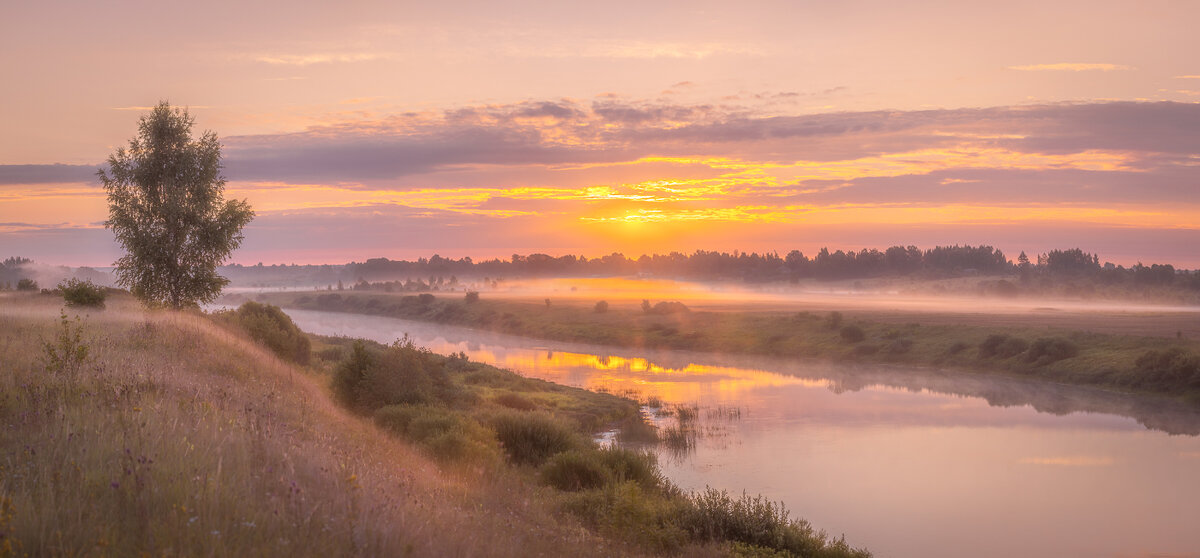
444, 434
575, 470
400, 374
632, 466
714, 515
82, 293
853, 334
834, 320
531, 438
601, 307
662, 308
1046, 350
472, 296
425, 298
27, 285
514, 401
1169, 368
1002, 346
351, 373
68, 352
270, 326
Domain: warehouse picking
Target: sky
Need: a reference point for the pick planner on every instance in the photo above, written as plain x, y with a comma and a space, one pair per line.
482, 129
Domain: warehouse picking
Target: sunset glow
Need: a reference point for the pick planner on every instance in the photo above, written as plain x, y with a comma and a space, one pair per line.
403, 132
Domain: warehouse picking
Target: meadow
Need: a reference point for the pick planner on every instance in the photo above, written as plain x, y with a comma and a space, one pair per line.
131, 431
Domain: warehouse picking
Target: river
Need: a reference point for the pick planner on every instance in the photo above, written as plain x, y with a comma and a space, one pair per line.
905, 462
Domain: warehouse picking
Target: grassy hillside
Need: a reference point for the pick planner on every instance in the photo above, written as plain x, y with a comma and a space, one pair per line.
1122, 362
131, 432
175, 436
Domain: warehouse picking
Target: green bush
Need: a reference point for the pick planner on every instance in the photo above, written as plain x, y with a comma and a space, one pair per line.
400, 374
625, 465
531, 438
1002, 346
270, 326
82, 293
574, 470
585, 469
1167, 368
514, 401
1046, 350
853, 334
446, 435
350, 373
714, 515
27, 285
68, 352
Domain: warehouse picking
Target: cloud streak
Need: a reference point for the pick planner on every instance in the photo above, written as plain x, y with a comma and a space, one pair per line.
1070, 67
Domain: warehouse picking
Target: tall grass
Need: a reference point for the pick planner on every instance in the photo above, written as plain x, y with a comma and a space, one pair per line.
177, 437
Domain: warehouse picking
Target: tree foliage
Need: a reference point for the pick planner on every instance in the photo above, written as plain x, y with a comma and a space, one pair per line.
166, 208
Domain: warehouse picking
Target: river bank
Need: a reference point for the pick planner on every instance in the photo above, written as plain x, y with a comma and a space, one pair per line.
1131, 363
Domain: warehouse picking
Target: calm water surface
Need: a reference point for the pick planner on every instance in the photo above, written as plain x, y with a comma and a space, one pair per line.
907, 463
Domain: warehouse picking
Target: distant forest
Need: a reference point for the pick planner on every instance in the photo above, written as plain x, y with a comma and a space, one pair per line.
936, 263
438, 273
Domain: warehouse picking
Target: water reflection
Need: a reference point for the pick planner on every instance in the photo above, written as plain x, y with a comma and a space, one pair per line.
906, 462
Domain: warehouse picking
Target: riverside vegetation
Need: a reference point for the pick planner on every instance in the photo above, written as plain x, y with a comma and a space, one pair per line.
164, 432
1159, 365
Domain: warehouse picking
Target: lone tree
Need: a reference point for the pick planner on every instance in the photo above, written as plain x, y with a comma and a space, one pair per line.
165, 206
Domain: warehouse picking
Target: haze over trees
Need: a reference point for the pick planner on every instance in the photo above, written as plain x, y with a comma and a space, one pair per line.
167, 210
438, 273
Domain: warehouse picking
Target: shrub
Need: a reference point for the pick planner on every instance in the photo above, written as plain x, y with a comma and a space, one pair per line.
574, 470
425, 298
585, 469
1171, 367
1002, 346
1046, 350
834, 320
350, 374
270, 326
444, 434
402, 373
662, 308
67, 353
514, 401
330, 354
853, 334
714, 515
82, 293
471, 296
531, 438
27, 285
601, 307
632, 466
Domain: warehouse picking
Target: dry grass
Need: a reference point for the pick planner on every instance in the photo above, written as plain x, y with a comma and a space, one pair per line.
177, 437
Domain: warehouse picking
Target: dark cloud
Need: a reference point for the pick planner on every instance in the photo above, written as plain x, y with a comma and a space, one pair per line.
555, 110
47, 174
1005, 186
1162, 139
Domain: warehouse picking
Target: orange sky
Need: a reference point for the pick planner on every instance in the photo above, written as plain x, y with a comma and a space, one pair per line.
402, 130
